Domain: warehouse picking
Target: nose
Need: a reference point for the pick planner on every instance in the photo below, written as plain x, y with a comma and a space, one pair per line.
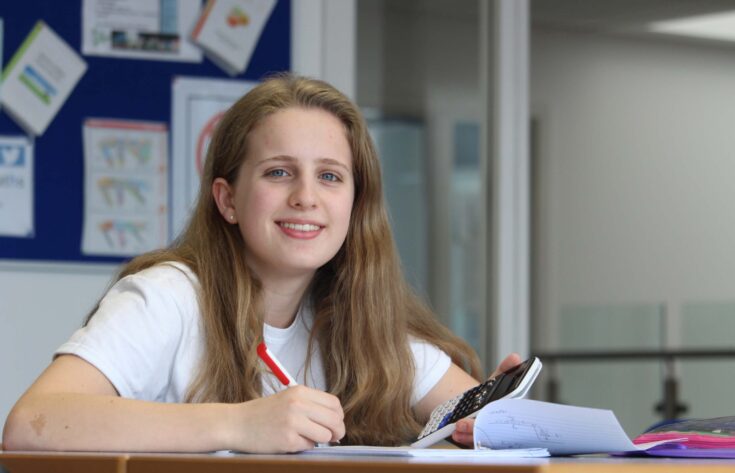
303, 195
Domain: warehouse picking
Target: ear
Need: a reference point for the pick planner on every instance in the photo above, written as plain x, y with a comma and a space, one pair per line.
223, 195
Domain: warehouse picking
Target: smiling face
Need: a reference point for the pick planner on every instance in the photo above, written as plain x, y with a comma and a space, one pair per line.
293, 196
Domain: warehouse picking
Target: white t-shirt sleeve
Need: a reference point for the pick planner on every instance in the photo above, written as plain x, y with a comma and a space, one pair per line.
134, 335
431, 364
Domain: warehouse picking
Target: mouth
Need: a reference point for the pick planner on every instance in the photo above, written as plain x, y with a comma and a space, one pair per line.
300, 227
300, 230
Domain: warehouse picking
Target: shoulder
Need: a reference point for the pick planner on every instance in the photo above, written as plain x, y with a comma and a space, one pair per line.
171, 273
143, 328
172, 279
167, 292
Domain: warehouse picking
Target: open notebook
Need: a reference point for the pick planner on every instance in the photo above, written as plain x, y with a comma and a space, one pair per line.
530, 428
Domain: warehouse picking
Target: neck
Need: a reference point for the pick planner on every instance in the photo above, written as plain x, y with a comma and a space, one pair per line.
281, 298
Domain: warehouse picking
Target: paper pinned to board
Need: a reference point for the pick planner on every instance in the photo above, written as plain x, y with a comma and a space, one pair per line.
39, 78
125, 187
197, 106
140, 29
229, 30
16, 187
2, 35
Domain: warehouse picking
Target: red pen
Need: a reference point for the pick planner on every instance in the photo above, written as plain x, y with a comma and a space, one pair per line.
275, 366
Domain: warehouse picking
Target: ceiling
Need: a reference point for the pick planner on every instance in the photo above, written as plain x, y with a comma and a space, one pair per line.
618, 15
610, 16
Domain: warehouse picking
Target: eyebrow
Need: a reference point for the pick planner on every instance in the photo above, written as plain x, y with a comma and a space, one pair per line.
291, 159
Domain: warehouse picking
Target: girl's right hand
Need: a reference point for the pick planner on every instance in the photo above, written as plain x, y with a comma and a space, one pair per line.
292, 420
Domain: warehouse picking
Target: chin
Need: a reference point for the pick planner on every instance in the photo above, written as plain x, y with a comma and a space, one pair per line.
305, 266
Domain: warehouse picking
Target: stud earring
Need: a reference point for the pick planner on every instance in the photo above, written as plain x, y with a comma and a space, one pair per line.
232, 218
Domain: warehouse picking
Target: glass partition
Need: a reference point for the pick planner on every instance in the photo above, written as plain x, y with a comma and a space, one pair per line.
630, 388
418, 71
466, 217
707, 385
401, 145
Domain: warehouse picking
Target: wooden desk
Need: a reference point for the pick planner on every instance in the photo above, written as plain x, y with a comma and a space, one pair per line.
320, 464
185, 463
606, 464
314, 464
55, 462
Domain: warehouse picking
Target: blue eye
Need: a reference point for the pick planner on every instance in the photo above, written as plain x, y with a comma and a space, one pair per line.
277, 173
328, 176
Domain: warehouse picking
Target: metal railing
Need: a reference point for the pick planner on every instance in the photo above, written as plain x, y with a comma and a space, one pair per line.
670, 406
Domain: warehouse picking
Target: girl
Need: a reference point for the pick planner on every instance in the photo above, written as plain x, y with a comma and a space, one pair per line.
289, 243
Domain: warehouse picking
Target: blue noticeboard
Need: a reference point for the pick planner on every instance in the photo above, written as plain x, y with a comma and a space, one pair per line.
111, 88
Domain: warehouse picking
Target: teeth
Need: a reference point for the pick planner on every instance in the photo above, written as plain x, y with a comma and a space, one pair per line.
300, 227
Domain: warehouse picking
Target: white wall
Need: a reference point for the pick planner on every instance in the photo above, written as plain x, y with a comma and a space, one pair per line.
636, 163
637, 158
40, 307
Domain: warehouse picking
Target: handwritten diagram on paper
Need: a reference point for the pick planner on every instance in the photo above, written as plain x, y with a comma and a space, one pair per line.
16, 187
198, 104
561, 429
140, 29
125, 182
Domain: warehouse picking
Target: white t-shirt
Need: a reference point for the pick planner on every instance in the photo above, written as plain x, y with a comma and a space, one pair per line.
147, 339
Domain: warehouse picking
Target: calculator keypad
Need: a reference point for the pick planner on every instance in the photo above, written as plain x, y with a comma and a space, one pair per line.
472, 401
459, 407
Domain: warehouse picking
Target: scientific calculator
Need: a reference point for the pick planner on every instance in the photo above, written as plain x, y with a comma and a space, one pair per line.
513, 383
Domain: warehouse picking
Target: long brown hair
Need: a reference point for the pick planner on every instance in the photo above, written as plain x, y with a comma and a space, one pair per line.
364, 311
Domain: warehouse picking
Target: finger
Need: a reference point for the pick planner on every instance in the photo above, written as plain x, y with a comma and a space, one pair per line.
463, 438
316, 433
299, 443
508, 362
330, 401
465, 425
319, 407
464, 432
330, 421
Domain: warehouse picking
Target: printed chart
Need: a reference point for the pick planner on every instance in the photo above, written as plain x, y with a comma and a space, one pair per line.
125, 187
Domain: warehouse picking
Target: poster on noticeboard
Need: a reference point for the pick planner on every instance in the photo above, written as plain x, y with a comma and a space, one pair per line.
198, 105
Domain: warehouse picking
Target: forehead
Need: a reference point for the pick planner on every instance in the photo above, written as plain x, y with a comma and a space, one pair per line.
300, 133
300, 122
